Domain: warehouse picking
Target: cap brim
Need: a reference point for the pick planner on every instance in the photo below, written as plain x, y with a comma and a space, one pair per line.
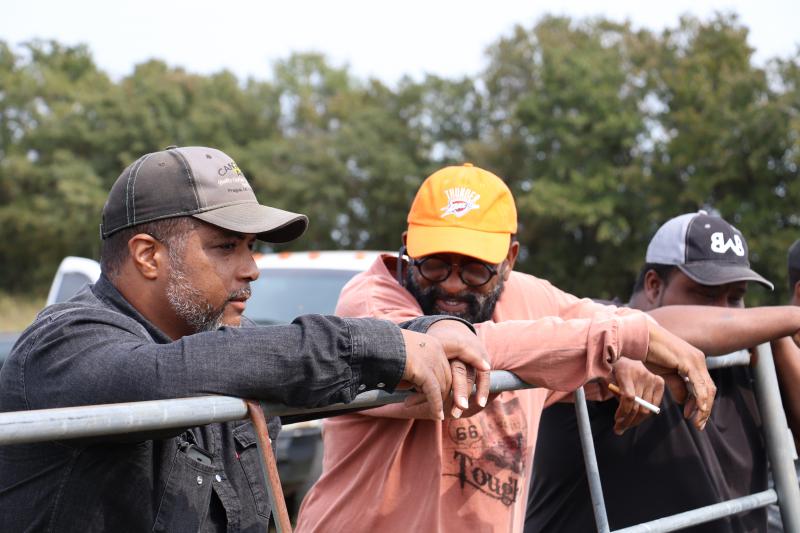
268, 223
486, 246
707, 273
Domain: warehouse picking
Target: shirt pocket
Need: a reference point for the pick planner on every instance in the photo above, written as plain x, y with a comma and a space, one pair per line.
250, 462
187, 495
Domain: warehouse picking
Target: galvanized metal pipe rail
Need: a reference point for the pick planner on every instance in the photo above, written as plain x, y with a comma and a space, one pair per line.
779, 451
134, 417
742, 357
705, 514
590, 460
779, 446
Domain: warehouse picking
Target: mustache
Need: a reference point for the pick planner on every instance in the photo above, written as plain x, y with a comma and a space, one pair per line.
438, 294
241, 294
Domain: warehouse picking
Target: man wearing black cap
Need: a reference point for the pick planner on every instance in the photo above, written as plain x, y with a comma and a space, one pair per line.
178, 230
665, 466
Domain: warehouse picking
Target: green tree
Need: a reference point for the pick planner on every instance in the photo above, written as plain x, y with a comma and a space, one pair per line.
726, 136
347, 157
567, 133
50, 194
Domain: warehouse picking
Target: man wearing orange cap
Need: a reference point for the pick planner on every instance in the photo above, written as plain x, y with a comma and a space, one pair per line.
396, 469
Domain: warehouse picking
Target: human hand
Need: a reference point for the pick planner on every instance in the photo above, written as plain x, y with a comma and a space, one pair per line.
633, 379
668, 354
427, 370
469, 365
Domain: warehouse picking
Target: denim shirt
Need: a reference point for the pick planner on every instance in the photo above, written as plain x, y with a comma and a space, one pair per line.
96, 349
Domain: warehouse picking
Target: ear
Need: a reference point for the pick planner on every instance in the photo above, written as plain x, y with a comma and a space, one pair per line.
511, 258
149, 256
796, 294
404, 237
653, 286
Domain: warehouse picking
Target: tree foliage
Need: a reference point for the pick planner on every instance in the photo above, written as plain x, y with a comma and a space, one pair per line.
602, 132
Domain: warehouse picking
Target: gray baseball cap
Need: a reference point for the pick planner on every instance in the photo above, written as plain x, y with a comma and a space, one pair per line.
705, 248
204, 183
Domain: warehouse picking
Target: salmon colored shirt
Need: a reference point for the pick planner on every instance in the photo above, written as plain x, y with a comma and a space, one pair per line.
385, 472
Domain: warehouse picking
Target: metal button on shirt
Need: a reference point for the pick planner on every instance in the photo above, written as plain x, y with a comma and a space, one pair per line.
218, 477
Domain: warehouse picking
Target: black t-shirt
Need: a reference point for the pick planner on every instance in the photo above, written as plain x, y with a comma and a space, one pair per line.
662, 467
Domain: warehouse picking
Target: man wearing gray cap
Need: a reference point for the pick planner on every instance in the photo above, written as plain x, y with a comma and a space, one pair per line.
664, 466
178, 230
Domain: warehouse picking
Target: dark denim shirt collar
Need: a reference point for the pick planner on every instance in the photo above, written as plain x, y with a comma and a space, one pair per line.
106, 291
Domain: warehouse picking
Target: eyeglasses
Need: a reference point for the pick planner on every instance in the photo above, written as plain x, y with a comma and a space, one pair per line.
472, 273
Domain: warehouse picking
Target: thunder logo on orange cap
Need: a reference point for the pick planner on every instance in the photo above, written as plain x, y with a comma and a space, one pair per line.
464, 210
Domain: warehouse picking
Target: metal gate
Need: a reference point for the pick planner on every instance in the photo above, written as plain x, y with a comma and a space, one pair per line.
97, 420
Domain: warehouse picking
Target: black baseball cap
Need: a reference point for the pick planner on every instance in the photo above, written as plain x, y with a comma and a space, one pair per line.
705, 248
204, 183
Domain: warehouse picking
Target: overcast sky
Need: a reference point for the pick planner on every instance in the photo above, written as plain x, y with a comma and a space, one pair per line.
375, 38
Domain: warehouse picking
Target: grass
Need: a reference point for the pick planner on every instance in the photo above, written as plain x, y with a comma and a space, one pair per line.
17, 312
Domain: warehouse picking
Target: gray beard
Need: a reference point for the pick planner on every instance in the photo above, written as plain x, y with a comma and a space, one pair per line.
190, 305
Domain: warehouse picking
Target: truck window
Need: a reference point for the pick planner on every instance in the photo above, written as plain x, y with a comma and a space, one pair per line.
280, 295
71, 283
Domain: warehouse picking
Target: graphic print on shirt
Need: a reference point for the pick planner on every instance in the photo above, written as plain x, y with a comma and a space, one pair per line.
486, 452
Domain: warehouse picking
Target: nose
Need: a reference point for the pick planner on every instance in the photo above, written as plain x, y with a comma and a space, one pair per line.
250, 270
453, 284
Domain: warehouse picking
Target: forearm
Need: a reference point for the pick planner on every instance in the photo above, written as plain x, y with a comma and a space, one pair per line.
720, 330
563, 354
314, 361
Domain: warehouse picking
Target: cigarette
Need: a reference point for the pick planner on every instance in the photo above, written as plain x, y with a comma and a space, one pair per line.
644, 403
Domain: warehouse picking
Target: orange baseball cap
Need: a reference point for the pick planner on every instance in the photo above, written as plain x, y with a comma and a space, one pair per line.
464, 210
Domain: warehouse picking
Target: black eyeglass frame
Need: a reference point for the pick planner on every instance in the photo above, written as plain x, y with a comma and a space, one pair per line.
490, 268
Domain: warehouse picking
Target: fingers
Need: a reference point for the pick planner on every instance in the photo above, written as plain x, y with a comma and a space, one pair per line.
701, 391
629, 413
689, 409
468, 350
652, 392
462, 387
483, 380
657, 390
626, 413
669, 351
677, 387
432, 389
460, 342
427, 369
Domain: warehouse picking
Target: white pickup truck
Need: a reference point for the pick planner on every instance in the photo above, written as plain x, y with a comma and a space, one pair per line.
72, 275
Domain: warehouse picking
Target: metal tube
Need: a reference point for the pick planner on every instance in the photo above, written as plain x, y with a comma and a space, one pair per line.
777, 438
270, 469
590, 460
705, 514
740, 358
97, 420
503, 380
